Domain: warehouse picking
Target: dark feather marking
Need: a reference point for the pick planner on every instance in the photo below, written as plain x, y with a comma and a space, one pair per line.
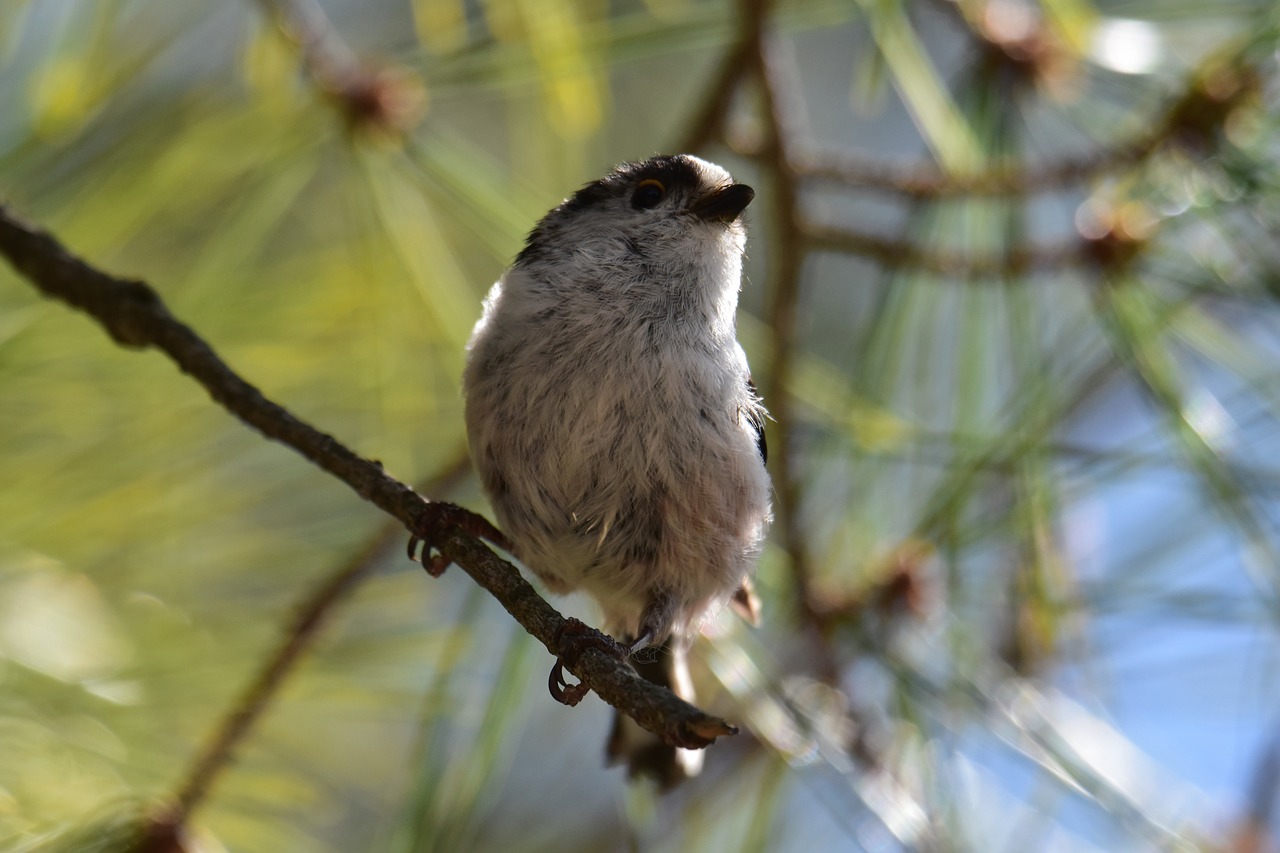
673, 170
646, 517
755, 417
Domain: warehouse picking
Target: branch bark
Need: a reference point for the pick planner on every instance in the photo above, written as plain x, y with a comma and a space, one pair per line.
135, 316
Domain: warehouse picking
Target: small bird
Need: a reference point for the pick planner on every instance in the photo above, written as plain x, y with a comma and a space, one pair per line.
613, 421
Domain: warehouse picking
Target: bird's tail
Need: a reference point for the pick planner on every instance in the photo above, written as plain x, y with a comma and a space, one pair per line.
645, 754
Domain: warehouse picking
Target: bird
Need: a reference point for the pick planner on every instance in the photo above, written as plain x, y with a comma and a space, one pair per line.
613, 421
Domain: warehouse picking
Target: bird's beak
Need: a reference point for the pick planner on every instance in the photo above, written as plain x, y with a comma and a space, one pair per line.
724, 204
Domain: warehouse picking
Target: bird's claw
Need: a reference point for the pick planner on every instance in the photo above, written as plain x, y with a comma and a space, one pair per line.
561, 690
433, 561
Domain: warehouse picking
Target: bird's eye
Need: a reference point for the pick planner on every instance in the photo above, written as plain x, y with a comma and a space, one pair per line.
649, 193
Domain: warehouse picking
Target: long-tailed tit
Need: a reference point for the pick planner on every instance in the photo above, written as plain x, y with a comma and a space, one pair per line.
612, 418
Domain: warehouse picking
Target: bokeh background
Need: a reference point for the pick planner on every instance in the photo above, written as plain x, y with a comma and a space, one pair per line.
1012, 297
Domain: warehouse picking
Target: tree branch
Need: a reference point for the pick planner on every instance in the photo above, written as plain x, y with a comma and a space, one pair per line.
858, 171
134, 315
708, 119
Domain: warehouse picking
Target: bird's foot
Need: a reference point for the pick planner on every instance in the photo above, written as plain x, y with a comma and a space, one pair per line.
574, 638
435, 524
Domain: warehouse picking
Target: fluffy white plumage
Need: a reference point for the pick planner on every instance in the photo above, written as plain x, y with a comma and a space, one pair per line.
609, 407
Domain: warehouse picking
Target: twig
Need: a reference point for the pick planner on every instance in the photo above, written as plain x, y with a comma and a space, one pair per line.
369, 95
709, 119
859, 171
134, 315
954, 265
325, 56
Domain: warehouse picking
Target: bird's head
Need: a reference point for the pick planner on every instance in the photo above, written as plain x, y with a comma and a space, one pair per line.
673, 221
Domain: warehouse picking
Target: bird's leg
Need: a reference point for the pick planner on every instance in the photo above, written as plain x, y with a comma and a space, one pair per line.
655, 627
